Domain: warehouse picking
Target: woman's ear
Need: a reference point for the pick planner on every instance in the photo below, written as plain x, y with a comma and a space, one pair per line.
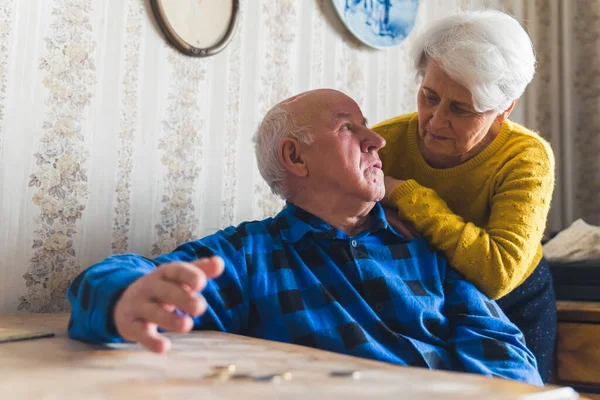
292, 158
503, 116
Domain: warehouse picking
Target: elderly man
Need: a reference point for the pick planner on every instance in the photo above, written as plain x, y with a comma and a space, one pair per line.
328, 271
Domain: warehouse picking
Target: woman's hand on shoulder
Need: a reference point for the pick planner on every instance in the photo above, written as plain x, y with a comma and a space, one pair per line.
390, 185
400, 225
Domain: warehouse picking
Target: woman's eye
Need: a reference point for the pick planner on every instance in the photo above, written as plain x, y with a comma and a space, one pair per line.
431, 99
459, 110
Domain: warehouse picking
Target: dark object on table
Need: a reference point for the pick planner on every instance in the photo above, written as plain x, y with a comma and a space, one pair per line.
13, 335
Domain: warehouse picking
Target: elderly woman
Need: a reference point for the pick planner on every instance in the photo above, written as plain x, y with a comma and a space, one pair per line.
473, 183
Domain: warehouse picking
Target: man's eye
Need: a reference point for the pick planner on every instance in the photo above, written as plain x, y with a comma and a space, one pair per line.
346, 127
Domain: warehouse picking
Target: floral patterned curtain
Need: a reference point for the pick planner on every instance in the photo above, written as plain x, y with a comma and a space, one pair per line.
563, 102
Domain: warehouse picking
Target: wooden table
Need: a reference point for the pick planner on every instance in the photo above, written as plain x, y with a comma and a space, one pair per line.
578, 346
60, 368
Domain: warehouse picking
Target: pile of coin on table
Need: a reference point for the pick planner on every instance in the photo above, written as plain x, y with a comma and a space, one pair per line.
229, 372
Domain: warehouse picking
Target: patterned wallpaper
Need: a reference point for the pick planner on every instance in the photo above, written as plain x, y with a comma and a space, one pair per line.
113, 142
128, 119
59, 179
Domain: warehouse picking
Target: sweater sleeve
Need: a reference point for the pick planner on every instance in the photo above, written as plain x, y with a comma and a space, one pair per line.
497, 256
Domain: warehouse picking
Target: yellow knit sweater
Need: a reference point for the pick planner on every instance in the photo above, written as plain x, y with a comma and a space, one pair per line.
488, 214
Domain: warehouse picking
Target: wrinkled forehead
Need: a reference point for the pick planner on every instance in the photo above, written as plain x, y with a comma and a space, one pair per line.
323, 110
438, 80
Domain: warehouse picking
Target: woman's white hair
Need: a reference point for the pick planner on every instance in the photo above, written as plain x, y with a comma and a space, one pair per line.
277, 125
486, 51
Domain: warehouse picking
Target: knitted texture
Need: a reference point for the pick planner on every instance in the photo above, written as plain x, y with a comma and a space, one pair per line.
487, 215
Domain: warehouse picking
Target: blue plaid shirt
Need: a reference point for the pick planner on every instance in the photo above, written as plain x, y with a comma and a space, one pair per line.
295, 279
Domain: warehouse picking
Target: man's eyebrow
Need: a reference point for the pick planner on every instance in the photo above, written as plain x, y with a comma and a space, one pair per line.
348, 116
342, 116
454, 101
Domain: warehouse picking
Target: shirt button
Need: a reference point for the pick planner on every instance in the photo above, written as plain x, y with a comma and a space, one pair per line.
353, 243
379, 307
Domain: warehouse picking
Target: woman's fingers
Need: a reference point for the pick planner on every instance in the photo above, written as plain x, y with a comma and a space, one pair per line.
390, 184
398, 224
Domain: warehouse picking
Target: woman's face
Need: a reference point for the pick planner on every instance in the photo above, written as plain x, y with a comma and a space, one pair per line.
450, 129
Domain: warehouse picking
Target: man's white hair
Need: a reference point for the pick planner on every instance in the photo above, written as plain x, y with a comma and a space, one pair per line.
277, 125
486, 51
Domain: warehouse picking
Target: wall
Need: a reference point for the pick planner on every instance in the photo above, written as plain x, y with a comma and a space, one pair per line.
112, 142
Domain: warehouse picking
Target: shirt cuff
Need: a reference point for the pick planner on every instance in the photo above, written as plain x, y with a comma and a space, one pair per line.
107, 296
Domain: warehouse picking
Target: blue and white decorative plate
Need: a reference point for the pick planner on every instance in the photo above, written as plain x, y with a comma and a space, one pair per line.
378, 23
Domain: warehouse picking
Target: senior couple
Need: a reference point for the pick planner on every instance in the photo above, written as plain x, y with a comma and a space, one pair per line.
395, 240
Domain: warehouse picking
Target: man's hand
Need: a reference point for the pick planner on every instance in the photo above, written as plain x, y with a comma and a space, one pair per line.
149, 302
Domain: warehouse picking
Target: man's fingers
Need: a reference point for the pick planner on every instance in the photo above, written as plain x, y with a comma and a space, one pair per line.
147, 335
150, 302
172, 294
183, 274
152, 340
212, 267
155, 314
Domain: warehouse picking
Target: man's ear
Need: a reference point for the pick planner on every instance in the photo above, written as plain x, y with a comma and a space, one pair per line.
291, 157
503, 116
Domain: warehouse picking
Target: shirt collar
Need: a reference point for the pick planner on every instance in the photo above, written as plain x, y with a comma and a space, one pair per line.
293, 223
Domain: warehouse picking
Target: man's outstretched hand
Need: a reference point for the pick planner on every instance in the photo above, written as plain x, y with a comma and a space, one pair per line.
148, 303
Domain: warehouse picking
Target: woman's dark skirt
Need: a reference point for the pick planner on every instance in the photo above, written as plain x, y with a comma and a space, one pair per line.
532, 307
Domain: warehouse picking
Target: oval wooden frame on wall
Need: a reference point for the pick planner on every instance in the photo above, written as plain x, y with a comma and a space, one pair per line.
185, 47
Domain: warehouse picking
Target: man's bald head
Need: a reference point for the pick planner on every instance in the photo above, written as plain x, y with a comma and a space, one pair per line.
307, 106
296, 118
290, 118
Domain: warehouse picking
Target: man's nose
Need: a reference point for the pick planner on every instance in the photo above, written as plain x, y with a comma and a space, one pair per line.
372, 141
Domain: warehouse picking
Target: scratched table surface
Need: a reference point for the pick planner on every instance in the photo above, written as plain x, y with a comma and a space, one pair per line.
60, 368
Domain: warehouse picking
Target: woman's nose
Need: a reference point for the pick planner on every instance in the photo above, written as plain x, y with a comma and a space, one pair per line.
439, 119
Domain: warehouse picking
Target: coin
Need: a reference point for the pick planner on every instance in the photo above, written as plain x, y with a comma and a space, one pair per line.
222, 376
346, 374
274, 378
230, 368
286, 376
241, 376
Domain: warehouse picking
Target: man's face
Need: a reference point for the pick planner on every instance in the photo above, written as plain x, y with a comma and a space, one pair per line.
344, 156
